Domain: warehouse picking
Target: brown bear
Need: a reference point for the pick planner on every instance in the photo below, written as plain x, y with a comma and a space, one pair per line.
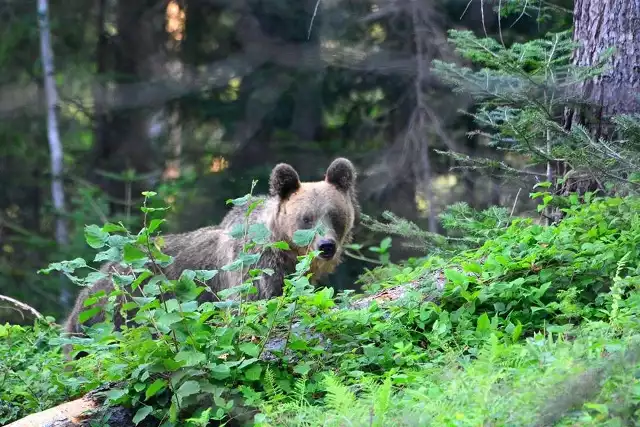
291, 205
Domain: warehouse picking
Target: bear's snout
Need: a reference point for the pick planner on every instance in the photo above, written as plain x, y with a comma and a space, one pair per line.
327, 248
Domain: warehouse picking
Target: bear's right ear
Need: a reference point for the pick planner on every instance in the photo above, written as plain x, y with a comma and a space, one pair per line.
284, 181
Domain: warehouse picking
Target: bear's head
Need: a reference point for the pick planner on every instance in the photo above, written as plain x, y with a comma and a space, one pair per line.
330, 206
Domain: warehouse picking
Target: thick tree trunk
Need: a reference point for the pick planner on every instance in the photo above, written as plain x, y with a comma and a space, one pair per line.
600, 25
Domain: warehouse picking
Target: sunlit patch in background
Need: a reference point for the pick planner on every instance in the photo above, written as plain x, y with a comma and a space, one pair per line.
175, 24
218, 164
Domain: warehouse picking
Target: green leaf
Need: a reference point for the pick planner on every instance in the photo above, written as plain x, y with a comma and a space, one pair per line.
90, 301
253, 372
543, 184
239, 201
484, 324
122, 279
154, 388
455, 277
203, 419
190, 357
246, 363
94, 276
186, 289
129, 305
259, 233
88, 314
545, 286
304, 237
113, 228
94, 236
187, 389
205, 275
117, 241
111, 254
244, 260
165, 320
472, 267
152, 289
65, 266
147, 210
281, 245
142, 414
250, 348
141, 278
220, 371
132, 253
237, 230
173, 410
302, 368
115, 394
154, 224
517, 331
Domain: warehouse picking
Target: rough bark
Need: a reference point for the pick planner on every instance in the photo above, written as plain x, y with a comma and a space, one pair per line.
598, 26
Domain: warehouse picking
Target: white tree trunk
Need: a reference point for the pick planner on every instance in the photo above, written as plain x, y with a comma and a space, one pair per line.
53, 135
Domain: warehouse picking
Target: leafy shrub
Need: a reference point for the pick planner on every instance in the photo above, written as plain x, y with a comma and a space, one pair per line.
30, 366
534, 277
530, 306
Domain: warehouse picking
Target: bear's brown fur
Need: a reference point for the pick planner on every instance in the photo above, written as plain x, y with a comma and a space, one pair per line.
291, 205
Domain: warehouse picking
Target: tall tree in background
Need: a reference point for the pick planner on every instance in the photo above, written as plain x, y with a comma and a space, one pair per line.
123, 136
53, 135
598, 26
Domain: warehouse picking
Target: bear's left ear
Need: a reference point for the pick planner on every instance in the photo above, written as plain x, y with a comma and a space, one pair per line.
284, 181
342, 174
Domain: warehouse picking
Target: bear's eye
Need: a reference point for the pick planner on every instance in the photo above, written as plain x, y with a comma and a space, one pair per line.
307, 219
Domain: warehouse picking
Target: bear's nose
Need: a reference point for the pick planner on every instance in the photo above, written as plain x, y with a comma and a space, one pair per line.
327, 248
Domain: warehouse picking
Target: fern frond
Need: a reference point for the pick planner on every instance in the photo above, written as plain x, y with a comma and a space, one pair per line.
339, 398
382, 402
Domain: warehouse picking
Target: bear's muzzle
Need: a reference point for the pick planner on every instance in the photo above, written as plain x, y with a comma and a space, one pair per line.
327, 248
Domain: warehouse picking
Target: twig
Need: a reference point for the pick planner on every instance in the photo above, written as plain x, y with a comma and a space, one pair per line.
361, 257
22, 305
514, 203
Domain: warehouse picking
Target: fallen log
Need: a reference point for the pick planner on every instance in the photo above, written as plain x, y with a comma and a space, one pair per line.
82, 412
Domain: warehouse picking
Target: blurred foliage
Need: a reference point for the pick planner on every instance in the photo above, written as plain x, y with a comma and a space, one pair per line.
211, 104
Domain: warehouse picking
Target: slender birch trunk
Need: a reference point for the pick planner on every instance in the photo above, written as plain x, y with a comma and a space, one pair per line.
53, 135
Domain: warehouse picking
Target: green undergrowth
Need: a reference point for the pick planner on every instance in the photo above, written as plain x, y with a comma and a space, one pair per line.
544, 380
535, 326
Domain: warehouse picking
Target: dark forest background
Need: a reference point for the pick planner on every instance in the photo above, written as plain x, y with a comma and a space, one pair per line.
197, 98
